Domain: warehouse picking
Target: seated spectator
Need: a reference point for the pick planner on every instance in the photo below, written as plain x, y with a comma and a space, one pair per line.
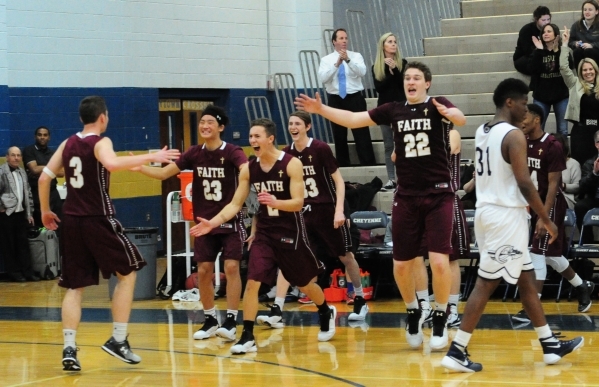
525, 46
469, 186
584, 34
570, 175
589, 191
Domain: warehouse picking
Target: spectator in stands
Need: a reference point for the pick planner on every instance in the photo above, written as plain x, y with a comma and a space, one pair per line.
583, 104
341, 73
549, 86
589, 190
570, 175
35, 158
584, 34
525, 46
16, 207
469, 199
387, 73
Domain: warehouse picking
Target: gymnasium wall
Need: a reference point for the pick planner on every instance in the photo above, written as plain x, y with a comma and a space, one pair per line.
55, 52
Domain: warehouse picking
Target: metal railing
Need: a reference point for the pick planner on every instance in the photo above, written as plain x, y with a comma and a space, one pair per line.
309, 63
256, 107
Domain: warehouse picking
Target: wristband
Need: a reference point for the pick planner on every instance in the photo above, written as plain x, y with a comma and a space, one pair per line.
48, 172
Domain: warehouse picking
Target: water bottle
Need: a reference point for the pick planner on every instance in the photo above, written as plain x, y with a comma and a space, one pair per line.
176, 208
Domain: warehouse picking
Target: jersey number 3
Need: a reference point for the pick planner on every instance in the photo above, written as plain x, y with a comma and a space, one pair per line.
416, 146
213, 190
480, 168
77, 179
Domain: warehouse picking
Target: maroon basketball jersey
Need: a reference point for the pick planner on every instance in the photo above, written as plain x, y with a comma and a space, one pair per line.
87, 180
421, 137
215, 179
281, 226
545, 155
319, 164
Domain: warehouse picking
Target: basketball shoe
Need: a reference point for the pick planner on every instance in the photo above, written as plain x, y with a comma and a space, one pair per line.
228, 330
274, 318
208, 329
69, 359
457, 359
439, 337
554, 349
414, 322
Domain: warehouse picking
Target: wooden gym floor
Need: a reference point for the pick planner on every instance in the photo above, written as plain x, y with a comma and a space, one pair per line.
373, 353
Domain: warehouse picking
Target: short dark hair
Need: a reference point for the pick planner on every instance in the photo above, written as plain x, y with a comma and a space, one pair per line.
268, 125
334, 37
509, 88
302, 115
41, 127
91, 108
217, 112
537, 111
540, 11
428, 76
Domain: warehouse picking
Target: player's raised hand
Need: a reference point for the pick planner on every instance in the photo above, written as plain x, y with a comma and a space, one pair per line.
441, 108
202, 228
165, 155
311, 105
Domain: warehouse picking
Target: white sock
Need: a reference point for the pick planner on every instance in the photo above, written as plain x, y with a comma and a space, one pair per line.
576, 281
280, 301
423, 295
119, 331
210, 312
70, 336
544, 332
454, 299
233, 312
539, 295
359, 291
462, 338
412, 305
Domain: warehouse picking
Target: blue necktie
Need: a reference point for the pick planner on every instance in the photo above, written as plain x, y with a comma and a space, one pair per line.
342, 82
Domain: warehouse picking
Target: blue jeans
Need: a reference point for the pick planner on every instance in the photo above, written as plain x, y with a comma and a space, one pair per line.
389, 146
559, 108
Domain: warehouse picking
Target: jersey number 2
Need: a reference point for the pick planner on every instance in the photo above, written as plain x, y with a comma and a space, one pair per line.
213, 190
417, 146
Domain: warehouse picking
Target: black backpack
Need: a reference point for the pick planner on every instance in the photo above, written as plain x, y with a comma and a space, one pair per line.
179, 277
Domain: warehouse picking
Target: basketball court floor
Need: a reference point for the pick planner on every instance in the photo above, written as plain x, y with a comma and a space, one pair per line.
373, 353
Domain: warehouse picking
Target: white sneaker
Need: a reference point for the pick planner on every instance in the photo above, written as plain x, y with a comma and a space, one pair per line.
439, 338
427, 310
208, 329
329, 322
414, 335
187, 295
453, 318
244, 345
274, 318
360, 309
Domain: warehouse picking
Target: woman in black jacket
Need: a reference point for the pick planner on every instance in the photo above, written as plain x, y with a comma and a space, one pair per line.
387, 72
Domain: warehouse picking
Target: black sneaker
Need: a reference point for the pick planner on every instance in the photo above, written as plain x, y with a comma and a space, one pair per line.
583, 292
554, 349
121, 351
208, 329
457, 360
246, 344
360, 309
390, 186
414, 335
274, 318
521, 316
327, 324
439, 338
69, 359
228, 330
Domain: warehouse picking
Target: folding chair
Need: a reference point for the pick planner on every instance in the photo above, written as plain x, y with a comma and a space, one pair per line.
474, 256
371, 220
582, 250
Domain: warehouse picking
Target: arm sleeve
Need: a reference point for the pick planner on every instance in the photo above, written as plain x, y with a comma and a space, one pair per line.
326, 70
356, 65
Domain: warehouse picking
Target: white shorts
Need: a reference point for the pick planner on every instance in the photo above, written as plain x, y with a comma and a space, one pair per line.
502, 236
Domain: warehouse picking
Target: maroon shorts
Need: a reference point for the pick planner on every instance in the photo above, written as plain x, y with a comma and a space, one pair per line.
93, 244
557, 214
299, 265
418, 217
322, 233
207, 247
460, 240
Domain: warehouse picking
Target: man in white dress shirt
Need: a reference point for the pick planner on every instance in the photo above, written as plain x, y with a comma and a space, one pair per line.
342, 72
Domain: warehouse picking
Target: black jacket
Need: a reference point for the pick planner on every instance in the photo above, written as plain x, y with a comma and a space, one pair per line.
589, 182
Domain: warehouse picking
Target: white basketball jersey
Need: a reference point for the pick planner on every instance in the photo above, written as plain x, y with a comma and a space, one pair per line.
495, 181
